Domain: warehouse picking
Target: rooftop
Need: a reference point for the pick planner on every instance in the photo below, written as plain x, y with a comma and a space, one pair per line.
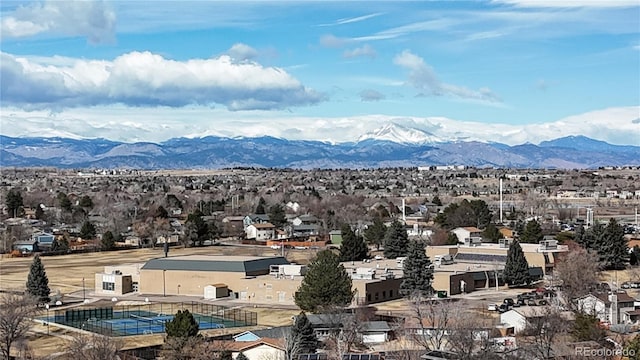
221, 263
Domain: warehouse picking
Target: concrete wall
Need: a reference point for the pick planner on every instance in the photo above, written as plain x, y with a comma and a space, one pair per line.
123, 284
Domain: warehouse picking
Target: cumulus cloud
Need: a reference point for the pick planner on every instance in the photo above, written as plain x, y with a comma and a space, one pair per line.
332, 41
242, 51
423, 77
92, 19
371, 95
147, 79
365, 50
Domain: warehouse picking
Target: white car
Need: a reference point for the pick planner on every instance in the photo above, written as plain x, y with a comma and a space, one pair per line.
378, 257
492, 307
275, 247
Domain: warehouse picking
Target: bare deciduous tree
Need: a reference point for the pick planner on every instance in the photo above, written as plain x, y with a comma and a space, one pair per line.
577, 271
469, 333
433, 319
16, 311
544, 330
94, 347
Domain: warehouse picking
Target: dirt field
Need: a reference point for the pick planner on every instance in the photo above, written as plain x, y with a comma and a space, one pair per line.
66, 272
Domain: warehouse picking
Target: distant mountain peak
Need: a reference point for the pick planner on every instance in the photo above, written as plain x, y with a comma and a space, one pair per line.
400, 134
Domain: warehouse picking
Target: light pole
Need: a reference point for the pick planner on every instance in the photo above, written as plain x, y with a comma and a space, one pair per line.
47, 307
164, 284
84, 296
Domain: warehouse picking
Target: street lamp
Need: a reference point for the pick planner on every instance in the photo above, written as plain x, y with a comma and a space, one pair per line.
84, 296
47, 307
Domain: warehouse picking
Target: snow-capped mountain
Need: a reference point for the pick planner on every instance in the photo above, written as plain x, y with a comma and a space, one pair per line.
401, 134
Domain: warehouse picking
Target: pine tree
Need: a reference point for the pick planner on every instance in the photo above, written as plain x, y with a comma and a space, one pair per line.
88, 230
396, 241
39, 212
532, 233
304, 339
325, 284
353, 247
183, 325
13, 201
64, 202
417, 271
436, 200
492, 233
108, 241
516, 270
260, 209
612, 246
277, 216
37, 281
374, 234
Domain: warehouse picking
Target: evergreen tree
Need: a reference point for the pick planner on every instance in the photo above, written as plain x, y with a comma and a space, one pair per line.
532, 233
396, 241
196, 228
492, 233
436, 200
353, 247
304, 339
85, 202
108, 241
325, 284
61, 245
183, 326
260, 209
242, 356
277, 216
39, 212
37, 281
375, 233
161, 212
417, 271
516, 270
635, 254
14, 202
64, 202
88, 230
586, 327
466, 213
612, 246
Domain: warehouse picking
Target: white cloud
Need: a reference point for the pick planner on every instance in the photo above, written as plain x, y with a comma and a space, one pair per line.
147, 79
366, 50
371, 95
423, 77
117, 122
570, 3
93, 19
240, 51
352, 20
332, 41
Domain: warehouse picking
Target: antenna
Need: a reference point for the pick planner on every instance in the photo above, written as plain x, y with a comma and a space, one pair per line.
500, 200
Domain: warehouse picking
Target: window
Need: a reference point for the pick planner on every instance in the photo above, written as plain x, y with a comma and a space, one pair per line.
376, 296
384, 294
390, 293
108, 286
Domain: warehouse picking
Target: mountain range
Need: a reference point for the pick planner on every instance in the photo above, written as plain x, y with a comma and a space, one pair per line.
390, 146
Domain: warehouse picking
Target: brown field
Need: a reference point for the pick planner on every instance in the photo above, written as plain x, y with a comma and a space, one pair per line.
66, 272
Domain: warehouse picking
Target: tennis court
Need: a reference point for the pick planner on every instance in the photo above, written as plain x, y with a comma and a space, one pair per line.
136, 320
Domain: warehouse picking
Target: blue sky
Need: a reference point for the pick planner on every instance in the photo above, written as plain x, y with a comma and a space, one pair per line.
510, 71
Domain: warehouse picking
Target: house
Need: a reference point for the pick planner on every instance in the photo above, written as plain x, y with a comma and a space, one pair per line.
468, 232
374, 332
305, 230
255, 219
45, 240
519, 318
261, 231
439, 355
264, 348
306, 219
614, 308
278, 332
324, 324
26, 246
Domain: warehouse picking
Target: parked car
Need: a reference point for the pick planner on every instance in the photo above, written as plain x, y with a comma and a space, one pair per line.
521, 302
626, 285
275, 247
492, 307
508, 302
531, 302
503, 308
378, 257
